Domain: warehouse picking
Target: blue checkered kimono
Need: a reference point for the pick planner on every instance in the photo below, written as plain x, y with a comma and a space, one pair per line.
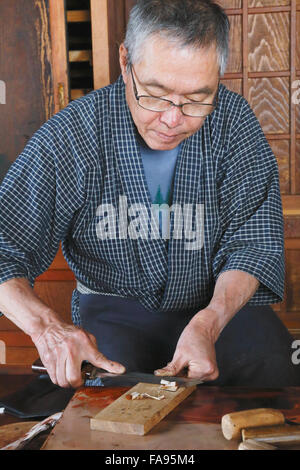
88, 155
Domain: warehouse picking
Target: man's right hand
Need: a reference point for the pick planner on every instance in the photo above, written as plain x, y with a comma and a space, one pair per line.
63, 348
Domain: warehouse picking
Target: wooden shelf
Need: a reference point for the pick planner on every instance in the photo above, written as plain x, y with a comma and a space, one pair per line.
78, 16
80, 56
78, 93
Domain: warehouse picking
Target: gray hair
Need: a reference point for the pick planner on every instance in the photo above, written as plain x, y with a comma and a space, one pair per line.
195, 23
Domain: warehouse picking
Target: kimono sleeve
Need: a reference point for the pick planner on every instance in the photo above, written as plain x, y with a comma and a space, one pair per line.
34, 217
250, 210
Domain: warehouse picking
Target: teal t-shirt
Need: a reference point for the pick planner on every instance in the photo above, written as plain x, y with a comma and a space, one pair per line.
159, 167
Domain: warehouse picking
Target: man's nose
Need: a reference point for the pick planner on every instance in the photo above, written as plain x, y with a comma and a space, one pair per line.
172, 118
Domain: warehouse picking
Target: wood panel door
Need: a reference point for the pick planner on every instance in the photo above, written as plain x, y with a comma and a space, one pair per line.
25, 73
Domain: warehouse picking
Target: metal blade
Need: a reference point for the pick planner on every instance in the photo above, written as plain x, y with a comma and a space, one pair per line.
135, 377
90, 372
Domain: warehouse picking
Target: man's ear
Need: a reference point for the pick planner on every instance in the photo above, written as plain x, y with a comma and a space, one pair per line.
123, 62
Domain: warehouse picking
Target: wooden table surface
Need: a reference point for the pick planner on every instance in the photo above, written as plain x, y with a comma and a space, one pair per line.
194, 424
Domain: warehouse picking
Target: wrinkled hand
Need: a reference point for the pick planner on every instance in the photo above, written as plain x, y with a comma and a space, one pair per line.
195, 351
63, 348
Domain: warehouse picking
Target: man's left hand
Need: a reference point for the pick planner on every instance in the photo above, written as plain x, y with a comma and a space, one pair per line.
195, 351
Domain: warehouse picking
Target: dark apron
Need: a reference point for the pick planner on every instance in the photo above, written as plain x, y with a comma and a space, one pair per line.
128, 333
253, 350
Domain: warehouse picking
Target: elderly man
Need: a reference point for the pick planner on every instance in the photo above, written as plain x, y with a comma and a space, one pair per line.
189, 293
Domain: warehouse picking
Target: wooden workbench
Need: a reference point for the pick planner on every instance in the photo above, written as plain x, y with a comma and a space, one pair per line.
194, 425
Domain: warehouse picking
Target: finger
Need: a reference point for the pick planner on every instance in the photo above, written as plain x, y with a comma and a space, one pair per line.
50, 365
61, 372
99, 360
73, 372
171, 369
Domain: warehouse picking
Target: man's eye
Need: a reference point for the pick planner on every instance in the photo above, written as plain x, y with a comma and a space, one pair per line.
155, 95
199, 100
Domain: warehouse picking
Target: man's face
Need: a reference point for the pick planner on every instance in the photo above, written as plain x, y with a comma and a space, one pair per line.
182, 75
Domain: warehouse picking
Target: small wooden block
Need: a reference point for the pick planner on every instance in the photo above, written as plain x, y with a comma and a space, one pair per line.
252, 444
283, 434
138, 416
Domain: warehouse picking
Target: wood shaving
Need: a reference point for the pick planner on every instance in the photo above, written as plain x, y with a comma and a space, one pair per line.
160, 397
141, 396
168, 386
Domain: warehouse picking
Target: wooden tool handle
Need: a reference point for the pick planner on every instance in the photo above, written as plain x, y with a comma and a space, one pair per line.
278, 435
86, 369
252, 444
233, 423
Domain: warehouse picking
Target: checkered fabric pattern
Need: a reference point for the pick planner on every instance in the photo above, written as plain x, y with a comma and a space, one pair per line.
87, 155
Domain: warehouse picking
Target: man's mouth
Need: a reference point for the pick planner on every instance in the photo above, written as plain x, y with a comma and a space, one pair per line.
166, 137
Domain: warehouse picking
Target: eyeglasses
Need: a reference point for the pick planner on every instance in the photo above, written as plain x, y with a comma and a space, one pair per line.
159, 105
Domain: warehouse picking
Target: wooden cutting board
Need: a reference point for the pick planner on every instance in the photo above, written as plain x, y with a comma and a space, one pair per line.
127, 416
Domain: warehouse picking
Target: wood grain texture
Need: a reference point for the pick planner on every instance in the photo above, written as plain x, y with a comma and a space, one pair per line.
268, 3
116, 35
25, 41
284, 434
298, 41
100, 41
235, 62
138, 416
293, 280
59, 60
292, 226
233, 423
298, 167
230, 3
297, 106
269, 98
269, 42
281, 150
291, 202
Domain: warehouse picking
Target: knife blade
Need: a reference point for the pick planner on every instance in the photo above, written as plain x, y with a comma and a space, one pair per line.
90, 372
